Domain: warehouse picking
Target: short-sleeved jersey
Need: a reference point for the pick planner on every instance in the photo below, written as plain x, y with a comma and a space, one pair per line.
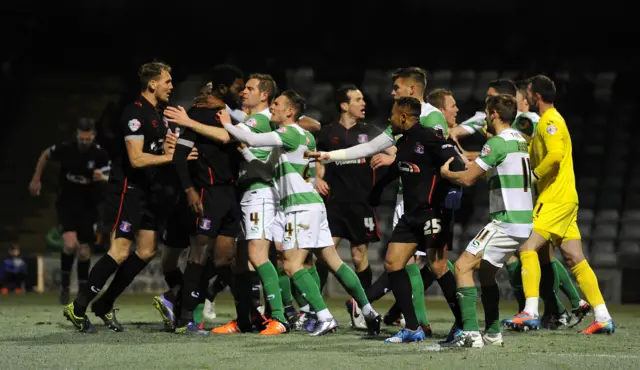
421, 153
430, 116
217, 163
258, 123
350, 181
506, 158
142, 121
77, 166
293, 172
552, 135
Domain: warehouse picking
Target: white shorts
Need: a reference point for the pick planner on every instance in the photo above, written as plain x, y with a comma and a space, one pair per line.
259, 209
277, 228
306, 230
397, 214
496, 247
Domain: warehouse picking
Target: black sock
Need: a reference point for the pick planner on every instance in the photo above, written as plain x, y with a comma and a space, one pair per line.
546, 288
128, 271
255, 290
241, 288
66, 264
98, 277
222, 280
323, 273
401, 287
490, 301
394, 310
83, 272
365, 277
207, 274
448, 285
427, 277
379, 288
173, 279
191, 291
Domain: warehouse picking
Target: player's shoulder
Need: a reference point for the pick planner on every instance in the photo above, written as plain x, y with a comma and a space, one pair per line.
258, 120
552, 122
497, 142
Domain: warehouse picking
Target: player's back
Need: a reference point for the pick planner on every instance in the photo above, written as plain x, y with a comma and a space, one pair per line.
294, 171
552, 134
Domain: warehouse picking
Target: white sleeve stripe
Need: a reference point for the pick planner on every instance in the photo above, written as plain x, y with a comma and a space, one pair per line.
105, 169
187, 143
482, 164
134, 137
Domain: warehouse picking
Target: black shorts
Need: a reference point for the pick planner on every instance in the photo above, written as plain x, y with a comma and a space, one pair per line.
430, 228
356, 222
130, 209
79, 215
221, 217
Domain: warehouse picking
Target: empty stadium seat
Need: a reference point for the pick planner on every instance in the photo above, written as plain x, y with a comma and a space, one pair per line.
603, 86
607, 216
633, 199
629, 248
587, 200
482, 82
321, 95
630, 231
617, 168
375, 76
462, 85
631, 215
510, 74
585, 215
611, 182
605, 232
603, 253
441, 79
610, 200
585, 229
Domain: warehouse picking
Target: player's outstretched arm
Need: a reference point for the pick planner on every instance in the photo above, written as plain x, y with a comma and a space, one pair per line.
309, 124
180, 117
263, 169
377, 145
467, 177
248, 137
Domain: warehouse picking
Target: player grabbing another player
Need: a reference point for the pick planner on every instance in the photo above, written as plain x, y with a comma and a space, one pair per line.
506, 158
555, 212
141, 194
306, 225
83, 166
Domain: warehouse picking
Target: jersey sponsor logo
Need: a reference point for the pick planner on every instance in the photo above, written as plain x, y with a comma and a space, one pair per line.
91, 165
419, 148
351, 161
251, 122
486, 150
77, 179
552, 129
134, 125
205, 224
125, 226
408, 167
363, 138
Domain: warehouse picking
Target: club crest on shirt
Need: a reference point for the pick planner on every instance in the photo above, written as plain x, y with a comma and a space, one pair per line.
205, 224
363, 138
283, 130
552, 129
125, 226
134, 125
91, 165
419, 148
335, 140
251, 122
486, 150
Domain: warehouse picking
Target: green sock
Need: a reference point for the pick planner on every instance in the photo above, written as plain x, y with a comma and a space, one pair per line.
270, 282
490, 301
566, 284
351, 284
314, 274
309, 289
297, 295
467, 297
417, 291
451, 267
285, 288
198, 316
515, 279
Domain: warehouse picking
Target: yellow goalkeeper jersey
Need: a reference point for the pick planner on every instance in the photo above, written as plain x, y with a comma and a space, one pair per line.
551, 158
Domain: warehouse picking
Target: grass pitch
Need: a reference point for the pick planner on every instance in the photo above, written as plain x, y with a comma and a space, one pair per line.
35, 335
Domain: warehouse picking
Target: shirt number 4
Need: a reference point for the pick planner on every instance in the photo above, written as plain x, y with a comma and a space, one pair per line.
432, 226
369, 223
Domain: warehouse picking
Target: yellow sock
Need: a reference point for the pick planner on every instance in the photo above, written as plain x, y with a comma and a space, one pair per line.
530, 274
588, 283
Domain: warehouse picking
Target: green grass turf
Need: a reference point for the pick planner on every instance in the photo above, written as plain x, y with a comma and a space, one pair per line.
35, 335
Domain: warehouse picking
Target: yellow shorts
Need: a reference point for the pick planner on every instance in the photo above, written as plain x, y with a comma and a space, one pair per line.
557, 222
